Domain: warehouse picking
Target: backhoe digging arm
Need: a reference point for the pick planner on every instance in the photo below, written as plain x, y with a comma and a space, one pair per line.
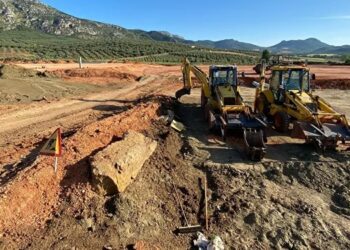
187, 68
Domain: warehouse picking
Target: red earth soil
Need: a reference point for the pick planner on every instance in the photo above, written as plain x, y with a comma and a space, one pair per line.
28, 201
332, 84
337, 76
103, 76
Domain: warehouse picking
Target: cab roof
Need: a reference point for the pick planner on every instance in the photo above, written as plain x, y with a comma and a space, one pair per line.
212, 67
288, 67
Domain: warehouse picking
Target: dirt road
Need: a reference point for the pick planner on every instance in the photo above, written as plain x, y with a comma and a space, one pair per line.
66, 113
24, 127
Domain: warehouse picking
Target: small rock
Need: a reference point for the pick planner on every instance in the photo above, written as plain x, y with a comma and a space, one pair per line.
107, 247
90, 224
142, 245
251, 218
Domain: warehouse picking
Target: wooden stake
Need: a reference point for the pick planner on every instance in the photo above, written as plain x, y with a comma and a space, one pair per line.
206, 204
56, 162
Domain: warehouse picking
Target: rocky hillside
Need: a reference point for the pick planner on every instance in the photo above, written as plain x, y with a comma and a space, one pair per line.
35, 15
32, 14
299, 46
229, 44
39, 17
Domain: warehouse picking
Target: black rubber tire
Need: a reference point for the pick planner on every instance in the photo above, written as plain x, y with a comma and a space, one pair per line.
223, 132
206, 116
281, 122
204, 100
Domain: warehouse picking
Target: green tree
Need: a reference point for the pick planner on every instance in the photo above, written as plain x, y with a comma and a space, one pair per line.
344, 57
266, 55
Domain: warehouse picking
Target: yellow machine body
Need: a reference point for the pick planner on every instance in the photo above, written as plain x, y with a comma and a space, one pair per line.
223, 105
314, 119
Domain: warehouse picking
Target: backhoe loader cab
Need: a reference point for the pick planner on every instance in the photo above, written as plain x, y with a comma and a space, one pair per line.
284, 79
292, 79
223, 75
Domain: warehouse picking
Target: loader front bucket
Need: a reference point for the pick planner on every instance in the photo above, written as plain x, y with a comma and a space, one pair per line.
326, 136
304, 130
340, 130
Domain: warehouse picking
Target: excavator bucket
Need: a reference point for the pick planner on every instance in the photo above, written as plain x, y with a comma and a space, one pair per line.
328, 134
182, 92
254, 143
253, 134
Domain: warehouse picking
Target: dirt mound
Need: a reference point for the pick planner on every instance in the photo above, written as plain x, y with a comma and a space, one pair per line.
22, 85
35, 193
332, 84
341, 200
150, 201
14, 72
16, 89
287, 206
108, 75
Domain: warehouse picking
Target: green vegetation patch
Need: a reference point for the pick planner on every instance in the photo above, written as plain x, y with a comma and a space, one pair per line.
31, 45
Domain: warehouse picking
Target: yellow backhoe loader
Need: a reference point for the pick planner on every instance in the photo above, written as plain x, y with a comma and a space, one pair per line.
288, 100
223, 105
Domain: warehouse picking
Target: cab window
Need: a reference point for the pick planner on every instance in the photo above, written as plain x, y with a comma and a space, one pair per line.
293, 83
222, 77
275, 81
295, 80
306, 81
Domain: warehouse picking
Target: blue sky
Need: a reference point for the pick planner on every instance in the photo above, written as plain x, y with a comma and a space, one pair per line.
242, 20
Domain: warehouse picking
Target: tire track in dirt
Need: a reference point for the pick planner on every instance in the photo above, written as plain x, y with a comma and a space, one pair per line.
47, 116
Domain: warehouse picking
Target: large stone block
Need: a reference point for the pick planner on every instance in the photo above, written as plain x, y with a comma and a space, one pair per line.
115, 167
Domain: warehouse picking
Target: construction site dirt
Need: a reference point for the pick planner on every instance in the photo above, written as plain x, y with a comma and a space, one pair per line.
296, 198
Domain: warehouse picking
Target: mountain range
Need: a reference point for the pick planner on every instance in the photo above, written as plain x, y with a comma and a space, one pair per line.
34, 15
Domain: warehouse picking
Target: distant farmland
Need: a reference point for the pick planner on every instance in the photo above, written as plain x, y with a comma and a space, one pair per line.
30, 45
